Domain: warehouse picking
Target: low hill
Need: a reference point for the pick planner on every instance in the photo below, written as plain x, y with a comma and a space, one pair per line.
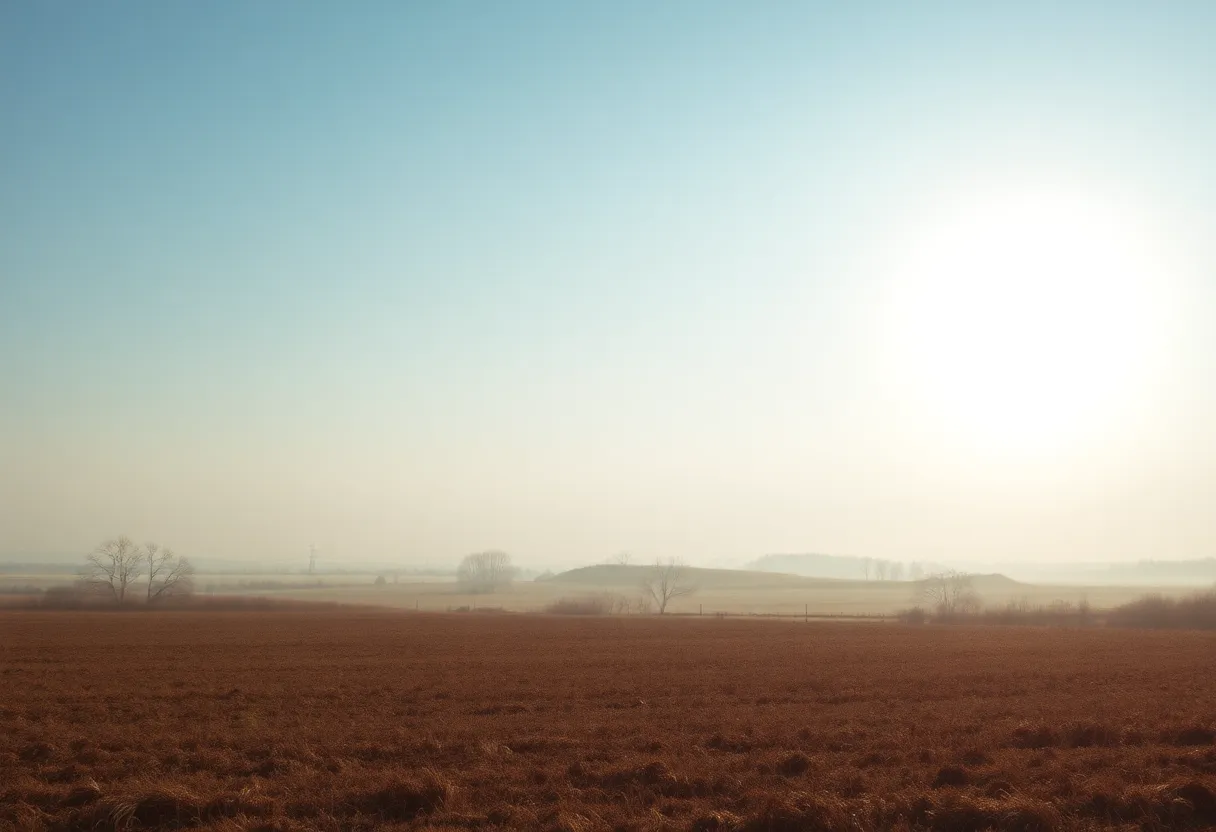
617, 576
997, 584
811, 565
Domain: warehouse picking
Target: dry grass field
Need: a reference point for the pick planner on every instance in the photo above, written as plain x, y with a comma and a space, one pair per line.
350, 720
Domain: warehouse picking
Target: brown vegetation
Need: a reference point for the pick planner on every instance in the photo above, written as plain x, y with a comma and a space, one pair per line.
363, 720
1195, 612
602, 603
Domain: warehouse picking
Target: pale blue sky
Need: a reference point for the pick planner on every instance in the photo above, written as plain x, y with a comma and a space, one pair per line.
408, 280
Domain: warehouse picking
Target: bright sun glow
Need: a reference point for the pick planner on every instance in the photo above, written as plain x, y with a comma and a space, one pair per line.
1025, 317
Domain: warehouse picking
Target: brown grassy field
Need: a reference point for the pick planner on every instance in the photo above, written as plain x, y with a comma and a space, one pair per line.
348, 720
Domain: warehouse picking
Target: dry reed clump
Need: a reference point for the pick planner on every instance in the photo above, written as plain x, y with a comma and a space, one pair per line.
718, 821
732, 745
799, 812
401, 797
794, 764
1029, 735
1185, 805
156, 805
1191, 735
82, 794
951, 776
968, 813
1090, 734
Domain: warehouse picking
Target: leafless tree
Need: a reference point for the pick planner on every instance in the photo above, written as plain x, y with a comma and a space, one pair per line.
666, 580
168, 574
950, 593
113, 566
621, 558
881, 569
897, 571
866, 565
485, 571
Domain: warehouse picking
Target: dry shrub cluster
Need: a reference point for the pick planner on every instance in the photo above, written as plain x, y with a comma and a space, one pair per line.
603, 603
363, 720
1197, 612
1019, 613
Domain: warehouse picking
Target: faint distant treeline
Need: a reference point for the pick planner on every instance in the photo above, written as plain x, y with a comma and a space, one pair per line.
846, 567
1162, 571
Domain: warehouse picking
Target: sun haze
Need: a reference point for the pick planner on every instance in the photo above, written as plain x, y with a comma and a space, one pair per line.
696, 280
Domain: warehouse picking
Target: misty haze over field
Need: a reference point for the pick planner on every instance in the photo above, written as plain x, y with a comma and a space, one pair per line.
914, 282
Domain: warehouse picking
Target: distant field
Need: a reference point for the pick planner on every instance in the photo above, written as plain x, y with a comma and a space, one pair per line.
729, 591
360, 721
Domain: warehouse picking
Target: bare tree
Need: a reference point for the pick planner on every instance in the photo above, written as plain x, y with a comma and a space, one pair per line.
485, 571
881, 569
897, 571
665, 581
167, 573
621, 558
113, 567
950, 593
866, 565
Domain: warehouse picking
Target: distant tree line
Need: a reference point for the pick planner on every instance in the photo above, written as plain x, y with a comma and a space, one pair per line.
890, 570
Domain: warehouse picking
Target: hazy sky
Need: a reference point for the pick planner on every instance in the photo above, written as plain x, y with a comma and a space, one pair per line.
705, 279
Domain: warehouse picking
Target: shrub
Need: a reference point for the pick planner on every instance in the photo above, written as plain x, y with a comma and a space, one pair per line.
605, 603
1015, 613
1197, 612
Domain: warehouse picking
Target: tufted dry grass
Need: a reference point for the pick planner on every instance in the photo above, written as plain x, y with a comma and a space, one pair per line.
354, 720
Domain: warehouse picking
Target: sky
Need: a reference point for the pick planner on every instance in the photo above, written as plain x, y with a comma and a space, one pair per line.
703, 280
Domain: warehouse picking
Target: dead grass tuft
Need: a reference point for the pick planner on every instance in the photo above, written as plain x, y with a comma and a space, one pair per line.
951, 776
799, 812
1192, 735
82, 795
1089, 734
1034, 736
794, 764
1201, 798
720, 821
160, 805
405, 797
961, 813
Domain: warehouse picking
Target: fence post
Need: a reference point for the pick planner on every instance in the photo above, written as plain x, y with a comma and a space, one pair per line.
806, 613
700, 609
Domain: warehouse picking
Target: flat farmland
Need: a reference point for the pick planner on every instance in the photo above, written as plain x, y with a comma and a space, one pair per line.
365, 720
